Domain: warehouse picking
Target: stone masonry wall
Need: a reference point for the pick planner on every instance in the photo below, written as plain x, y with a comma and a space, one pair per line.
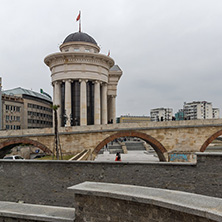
100, 209
165, 136
46, 182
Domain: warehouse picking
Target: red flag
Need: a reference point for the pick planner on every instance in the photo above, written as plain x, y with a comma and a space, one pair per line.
78, 17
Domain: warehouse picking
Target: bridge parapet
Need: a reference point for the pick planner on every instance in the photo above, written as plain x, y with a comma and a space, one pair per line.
115, 127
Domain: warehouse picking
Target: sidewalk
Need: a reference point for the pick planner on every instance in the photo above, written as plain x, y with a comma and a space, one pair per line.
131, 156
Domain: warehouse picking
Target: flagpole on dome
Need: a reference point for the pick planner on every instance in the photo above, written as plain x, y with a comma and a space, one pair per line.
79, 19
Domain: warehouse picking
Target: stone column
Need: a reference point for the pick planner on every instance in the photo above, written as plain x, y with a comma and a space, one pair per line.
57, 100
113, 108
83, 103
68, 103
97, 117
104, 103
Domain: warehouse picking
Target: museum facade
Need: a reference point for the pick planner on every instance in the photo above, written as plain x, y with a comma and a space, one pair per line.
84, 82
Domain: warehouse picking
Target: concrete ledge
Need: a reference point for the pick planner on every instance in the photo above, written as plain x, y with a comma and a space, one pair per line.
192, 204
209, 154
83, 162
26, 212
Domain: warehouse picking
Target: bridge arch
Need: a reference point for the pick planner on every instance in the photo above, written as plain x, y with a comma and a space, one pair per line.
156, 145
10, 143
209, 140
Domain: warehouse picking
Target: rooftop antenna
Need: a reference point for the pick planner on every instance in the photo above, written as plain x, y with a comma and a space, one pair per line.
79, 19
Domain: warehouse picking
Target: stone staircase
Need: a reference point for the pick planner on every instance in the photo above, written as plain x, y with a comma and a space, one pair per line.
114, 148
134, 146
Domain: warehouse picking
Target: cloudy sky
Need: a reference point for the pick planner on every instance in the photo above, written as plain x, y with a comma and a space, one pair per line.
170, 51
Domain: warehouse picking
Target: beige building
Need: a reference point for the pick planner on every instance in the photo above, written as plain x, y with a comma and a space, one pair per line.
24, 109
133, 119
12, 112
84, 82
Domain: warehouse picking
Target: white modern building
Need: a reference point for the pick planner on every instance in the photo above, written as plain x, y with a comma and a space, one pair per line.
216, 113
161, 114
84, 82
200, 110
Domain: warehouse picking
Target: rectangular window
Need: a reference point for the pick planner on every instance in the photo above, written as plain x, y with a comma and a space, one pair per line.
18, 109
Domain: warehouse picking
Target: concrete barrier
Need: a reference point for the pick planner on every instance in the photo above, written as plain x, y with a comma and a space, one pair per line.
119, 202
21, 212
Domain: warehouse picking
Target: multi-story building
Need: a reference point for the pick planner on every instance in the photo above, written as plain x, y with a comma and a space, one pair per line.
198, 110
23, 109
12, 112
161, 114
216, 113
133, 119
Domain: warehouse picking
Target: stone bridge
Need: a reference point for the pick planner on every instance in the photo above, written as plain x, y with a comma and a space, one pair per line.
167, 138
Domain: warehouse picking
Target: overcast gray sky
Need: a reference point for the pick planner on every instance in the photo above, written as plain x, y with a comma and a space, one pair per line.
170, 51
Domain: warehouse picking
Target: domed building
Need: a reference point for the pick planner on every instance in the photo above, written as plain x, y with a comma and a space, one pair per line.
84, 82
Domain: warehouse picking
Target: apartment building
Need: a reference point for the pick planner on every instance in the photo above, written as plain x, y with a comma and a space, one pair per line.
161, 114
216, 113
198, 110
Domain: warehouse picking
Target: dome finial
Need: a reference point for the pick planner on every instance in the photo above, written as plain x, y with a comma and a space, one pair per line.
79, 19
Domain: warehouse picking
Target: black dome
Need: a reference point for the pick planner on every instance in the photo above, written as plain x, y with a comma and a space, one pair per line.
79, 37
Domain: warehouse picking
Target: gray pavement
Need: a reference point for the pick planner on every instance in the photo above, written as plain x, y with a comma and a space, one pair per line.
131, 156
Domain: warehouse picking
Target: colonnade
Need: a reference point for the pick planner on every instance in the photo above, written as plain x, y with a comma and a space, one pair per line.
104, 112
